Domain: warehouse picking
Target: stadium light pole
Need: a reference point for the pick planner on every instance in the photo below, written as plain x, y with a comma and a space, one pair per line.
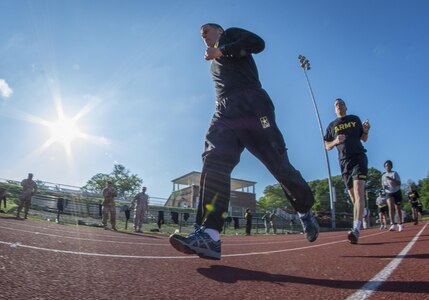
305, 65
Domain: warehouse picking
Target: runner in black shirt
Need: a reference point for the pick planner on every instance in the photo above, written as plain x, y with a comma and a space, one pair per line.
244, 119
413, 197
346, 133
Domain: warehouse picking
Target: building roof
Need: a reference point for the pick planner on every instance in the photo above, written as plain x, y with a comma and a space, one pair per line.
193, 178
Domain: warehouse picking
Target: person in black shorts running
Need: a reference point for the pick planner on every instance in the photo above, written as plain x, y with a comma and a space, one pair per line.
244, 119
346, 133
413, 197
391, 182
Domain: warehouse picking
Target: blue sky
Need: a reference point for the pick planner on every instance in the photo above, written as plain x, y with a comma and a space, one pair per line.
133, 74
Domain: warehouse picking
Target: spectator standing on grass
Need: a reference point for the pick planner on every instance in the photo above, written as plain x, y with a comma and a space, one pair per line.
267, 224
109, 194
273, 221
248, 217
140, 206
391, 183
127, 213
60, 208
2, 198
29, 188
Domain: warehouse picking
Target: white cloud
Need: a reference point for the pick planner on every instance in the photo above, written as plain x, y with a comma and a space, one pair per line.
5, 90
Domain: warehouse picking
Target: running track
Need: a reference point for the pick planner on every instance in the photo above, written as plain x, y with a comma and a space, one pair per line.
40, 260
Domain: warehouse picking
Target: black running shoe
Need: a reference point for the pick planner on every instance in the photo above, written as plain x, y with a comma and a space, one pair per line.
310, 226
199, 243
353, 236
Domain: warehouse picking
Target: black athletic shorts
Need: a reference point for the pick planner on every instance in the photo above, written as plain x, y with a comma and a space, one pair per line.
414, 204
382, 209
355, 168
396, 196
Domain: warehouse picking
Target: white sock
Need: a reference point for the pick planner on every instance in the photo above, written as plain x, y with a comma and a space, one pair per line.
213, 233
357, 224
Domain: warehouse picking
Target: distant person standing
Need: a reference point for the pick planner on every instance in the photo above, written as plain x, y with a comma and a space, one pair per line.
60, 208
266, 219
109, 194
2, 198
160, 219
29, 188
126, 210
391, 183
273, 221
413, 197
248, 217
140, 205
382, 209
347, 133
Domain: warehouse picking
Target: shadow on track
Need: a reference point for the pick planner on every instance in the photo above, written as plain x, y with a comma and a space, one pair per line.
416, 256
231, 275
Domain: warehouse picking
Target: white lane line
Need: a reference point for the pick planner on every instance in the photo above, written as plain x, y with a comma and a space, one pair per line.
374, 283
20, 245
80, 230
285, 241
83, 239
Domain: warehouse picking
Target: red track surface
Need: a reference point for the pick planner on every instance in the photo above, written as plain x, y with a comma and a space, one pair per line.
64, 262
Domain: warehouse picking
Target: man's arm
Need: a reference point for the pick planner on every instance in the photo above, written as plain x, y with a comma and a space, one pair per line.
242, 43
329, 145
365, 128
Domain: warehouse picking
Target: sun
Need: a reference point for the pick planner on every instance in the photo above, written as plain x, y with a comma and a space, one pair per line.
64, 131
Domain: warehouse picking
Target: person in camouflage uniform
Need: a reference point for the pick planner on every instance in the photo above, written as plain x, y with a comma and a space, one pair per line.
109, 194
140, 205
29, 188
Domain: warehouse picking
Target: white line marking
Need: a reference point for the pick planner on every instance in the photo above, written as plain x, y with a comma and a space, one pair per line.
83, 239
15, 245
372, 285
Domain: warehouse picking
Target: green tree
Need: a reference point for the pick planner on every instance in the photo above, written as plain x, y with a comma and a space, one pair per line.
423, 190
273, 197
373, 185
125, 183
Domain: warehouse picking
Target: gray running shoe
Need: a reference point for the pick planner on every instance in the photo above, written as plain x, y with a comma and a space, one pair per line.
353, 236
310, 226
199, 243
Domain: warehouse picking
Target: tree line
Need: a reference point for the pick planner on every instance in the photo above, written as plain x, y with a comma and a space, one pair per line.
273, 196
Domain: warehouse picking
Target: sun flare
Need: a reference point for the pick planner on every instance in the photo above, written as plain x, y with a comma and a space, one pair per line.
64, 131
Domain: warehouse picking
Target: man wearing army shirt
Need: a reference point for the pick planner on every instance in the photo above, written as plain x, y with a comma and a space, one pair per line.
29, 188
140, 204
109, 194
346, 133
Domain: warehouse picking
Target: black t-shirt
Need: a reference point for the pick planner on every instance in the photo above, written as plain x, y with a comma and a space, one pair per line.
351, 127
413, 197
236, 69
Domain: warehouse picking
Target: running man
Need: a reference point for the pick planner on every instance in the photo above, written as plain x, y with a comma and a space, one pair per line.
244, 119
391, 183
382, 209
346, 133
413, 197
